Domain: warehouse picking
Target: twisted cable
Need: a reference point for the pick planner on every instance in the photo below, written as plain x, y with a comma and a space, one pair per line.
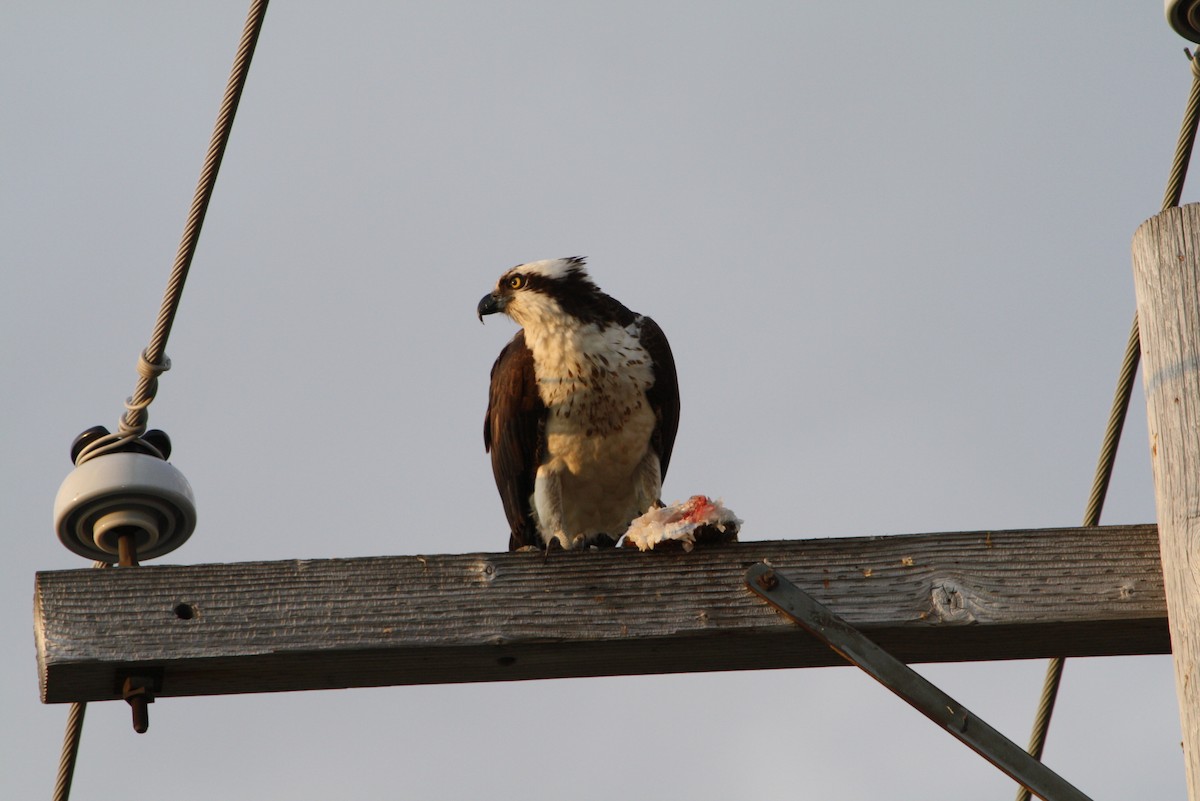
154, 358
153, 362
1120, 407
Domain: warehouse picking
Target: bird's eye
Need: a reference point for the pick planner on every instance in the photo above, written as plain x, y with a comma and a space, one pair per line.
516, 282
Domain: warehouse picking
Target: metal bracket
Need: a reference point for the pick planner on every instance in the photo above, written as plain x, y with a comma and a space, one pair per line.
905, 682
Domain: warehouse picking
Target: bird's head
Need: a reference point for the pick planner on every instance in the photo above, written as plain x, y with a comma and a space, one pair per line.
541, 291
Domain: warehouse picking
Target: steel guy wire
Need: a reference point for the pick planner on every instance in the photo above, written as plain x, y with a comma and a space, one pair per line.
1120, 406
153, 361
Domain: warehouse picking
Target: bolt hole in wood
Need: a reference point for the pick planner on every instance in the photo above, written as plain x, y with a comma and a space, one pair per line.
184, 611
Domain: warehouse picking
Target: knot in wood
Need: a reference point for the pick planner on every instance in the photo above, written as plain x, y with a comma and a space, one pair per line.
950, 603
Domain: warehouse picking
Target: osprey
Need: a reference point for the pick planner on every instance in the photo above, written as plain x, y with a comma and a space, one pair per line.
582, 409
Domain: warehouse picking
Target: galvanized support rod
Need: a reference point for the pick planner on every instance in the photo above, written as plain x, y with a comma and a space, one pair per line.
905, 682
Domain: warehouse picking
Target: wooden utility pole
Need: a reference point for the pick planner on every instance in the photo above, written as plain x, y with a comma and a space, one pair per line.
1166, 266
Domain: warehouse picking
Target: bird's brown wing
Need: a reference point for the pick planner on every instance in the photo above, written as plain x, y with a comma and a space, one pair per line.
513, 432
664, 395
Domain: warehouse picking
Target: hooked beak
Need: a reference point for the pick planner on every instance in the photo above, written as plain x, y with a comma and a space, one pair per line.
490, 304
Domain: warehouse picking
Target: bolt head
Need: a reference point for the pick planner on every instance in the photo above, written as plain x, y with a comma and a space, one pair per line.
768, 580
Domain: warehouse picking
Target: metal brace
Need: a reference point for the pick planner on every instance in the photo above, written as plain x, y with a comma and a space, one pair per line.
905, 682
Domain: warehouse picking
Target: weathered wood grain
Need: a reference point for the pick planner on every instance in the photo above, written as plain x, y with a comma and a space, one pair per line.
1166, 260
295, 625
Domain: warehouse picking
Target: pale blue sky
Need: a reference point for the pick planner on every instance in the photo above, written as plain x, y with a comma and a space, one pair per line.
889, 244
